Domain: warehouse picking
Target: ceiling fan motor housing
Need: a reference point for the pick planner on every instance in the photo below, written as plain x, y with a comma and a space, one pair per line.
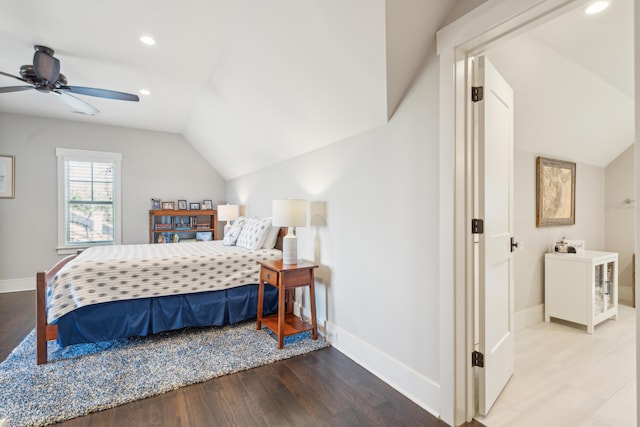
45, 66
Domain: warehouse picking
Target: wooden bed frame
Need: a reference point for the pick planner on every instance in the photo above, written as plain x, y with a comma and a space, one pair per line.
46, 332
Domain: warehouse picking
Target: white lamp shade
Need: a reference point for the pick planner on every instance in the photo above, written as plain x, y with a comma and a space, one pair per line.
228, 212
289, 213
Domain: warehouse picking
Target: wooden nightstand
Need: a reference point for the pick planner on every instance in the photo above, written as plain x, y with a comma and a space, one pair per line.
286, 278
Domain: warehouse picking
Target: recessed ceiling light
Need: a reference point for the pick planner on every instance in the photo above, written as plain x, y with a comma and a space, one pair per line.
597, 7
148, 40
144, 92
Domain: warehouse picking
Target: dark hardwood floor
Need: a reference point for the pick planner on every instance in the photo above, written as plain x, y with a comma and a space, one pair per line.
321, 388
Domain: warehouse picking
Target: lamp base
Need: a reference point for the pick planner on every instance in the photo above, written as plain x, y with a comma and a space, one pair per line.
289, 249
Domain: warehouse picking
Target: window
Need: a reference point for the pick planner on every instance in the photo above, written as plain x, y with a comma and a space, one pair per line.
88, 199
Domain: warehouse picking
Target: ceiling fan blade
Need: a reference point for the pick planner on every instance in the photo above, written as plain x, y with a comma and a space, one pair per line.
11, 75
77, 104
46, 67
101, 93
8, 89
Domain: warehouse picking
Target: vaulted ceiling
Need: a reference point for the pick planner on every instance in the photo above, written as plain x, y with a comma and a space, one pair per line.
250, 83
573, 84
247, 82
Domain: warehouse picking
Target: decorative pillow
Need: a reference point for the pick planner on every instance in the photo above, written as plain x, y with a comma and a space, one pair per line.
234, 232
272, 238
253, 233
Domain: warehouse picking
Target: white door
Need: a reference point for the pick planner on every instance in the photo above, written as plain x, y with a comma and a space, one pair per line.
493, 116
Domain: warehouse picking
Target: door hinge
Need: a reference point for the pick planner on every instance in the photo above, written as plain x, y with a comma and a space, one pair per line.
477, 93
477, 359
477, 226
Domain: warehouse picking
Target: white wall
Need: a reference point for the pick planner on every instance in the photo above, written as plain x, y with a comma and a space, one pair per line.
620, 217
154, 164
378, 284
589, 226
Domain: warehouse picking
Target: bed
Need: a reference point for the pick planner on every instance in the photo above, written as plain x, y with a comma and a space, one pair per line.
121, 291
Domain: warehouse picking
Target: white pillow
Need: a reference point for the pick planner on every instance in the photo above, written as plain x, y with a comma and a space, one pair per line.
272, 238
253, 233
232, 235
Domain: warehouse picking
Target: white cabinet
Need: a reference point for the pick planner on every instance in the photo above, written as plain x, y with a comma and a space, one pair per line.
581, 288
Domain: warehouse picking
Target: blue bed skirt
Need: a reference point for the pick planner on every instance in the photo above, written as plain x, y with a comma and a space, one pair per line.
141, 317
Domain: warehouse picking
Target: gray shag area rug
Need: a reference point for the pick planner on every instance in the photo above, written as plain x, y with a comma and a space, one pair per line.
85, 378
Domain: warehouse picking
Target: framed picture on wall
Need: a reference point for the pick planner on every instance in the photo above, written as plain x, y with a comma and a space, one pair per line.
7, 177
156, 204
207, 204
555, 192
182, 204
194, 206
168, 205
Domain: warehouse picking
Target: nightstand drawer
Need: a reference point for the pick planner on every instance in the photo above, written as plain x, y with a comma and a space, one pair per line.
269, 276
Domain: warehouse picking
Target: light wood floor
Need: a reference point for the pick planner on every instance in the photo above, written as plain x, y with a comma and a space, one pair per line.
567, 378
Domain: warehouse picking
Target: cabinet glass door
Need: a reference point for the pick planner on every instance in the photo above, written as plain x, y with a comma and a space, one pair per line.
608, 285
599, 291
603, 292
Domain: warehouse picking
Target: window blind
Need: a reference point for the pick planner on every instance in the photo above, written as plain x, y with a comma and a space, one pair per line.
89, 202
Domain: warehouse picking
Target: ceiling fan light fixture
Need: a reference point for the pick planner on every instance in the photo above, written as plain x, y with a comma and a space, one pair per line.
596, 7
148, 40
144, 92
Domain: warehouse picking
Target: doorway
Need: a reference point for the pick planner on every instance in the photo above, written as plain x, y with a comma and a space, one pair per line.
475, 33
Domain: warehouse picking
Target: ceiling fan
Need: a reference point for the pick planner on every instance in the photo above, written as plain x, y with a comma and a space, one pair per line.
44, 76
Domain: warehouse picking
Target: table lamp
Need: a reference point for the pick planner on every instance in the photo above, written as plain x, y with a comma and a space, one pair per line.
228, 213
289, 213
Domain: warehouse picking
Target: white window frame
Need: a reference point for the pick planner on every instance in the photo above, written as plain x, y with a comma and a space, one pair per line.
65, 154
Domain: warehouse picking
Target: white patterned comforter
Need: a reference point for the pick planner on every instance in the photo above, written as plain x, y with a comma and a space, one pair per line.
121, 272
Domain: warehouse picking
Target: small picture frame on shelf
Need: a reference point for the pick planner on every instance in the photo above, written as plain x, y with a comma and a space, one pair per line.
194, 206
156, 204
182, 205
168, 205
207, 204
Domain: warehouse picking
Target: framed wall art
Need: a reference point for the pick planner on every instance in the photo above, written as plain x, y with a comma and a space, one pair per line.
168, 205
7, 177
207, 204
182, 204
555, 192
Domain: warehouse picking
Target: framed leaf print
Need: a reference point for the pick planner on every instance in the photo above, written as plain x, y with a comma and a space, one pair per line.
555, 192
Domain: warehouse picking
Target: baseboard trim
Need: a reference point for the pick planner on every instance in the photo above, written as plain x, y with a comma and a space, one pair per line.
17, 285
529, 316
423, 391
